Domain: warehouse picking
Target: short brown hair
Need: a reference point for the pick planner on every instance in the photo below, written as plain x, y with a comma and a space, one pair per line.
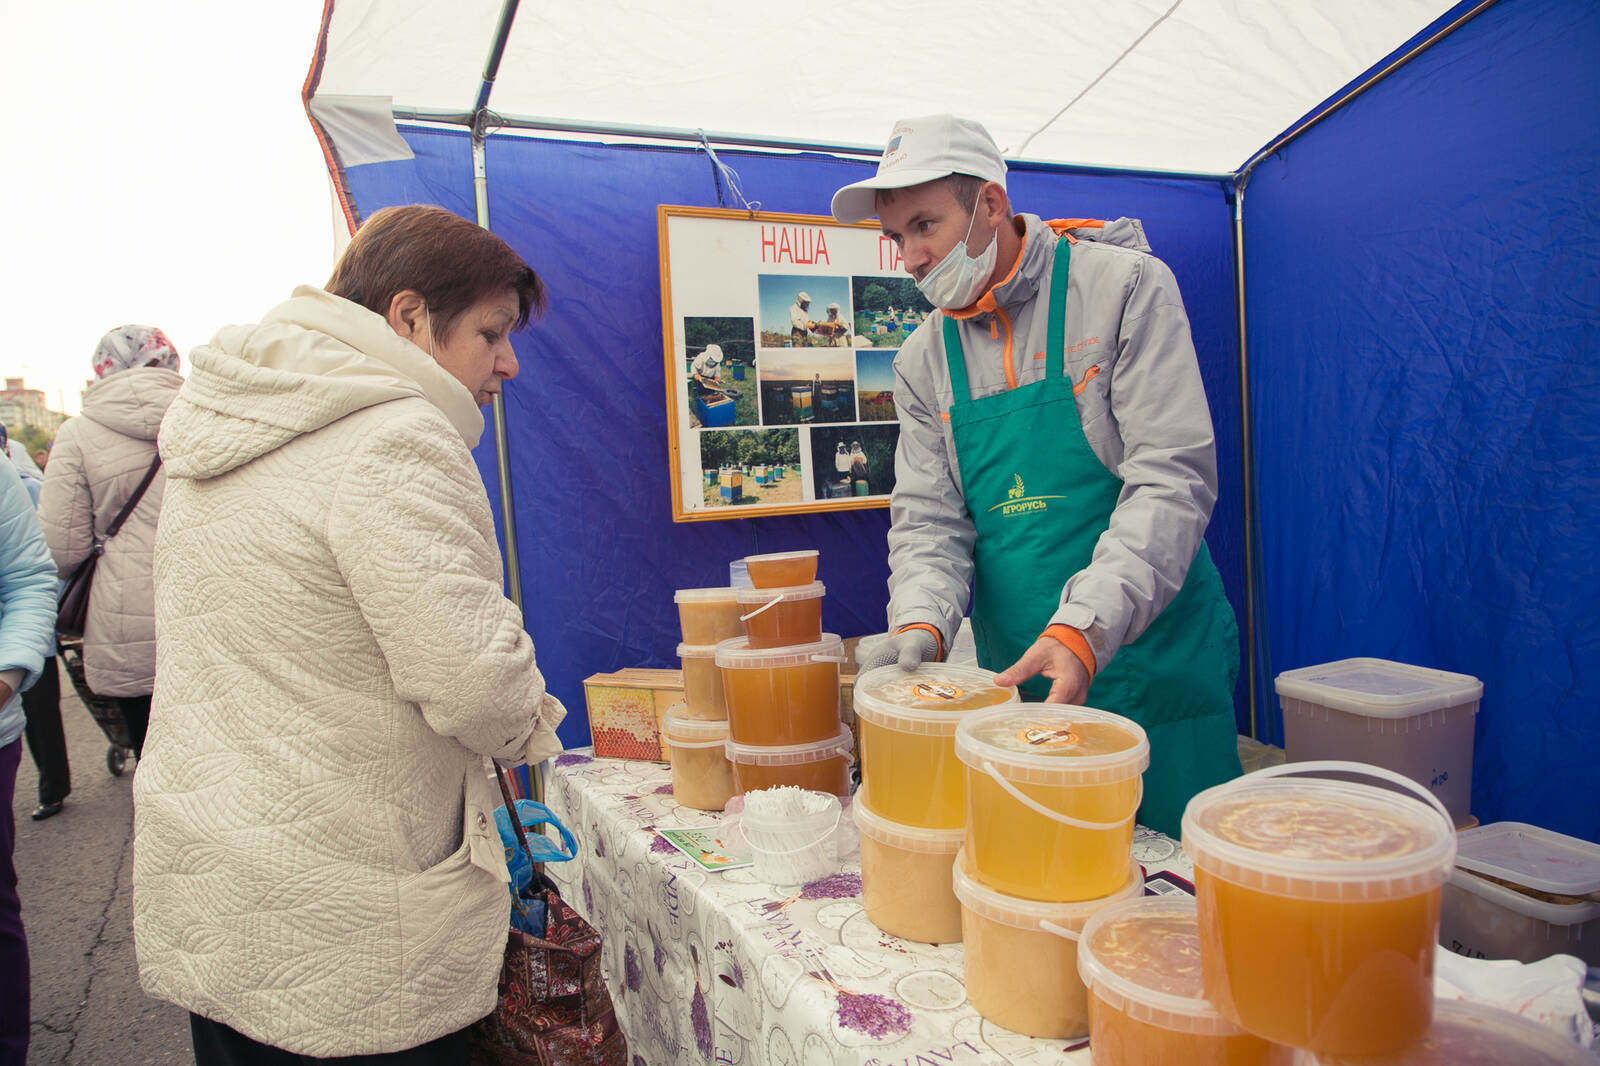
450, 261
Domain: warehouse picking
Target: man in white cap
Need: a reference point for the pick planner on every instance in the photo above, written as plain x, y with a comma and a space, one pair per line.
799, 321
705, 373
1056, 457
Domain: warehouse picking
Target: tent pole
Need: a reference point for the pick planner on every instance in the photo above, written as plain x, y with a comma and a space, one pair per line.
1247, 447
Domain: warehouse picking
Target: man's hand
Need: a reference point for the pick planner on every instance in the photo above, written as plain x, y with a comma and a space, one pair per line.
910, 649
1050, 658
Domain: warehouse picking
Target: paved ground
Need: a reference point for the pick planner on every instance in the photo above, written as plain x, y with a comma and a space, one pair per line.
76, 870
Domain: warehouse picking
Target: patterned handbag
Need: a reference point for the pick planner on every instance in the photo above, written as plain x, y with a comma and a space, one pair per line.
553, 1007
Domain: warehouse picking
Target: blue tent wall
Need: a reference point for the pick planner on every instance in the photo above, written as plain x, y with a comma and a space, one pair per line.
600, 553
1423, 285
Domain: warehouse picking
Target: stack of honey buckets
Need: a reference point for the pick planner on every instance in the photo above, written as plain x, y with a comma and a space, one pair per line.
761, 688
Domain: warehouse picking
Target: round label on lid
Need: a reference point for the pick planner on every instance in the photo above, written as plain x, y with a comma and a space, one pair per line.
1055, 735
1325, 828
1157, 952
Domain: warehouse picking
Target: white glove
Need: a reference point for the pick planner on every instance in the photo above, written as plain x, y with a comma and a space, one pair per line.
910, 649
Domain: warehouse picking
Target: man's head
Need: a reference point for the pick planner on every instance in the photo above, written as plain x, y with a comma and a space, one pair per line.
713, 357
803, 299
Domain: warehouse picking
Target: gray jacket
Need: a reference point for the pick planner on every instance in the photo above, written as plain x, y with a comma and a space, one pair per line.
1143, 411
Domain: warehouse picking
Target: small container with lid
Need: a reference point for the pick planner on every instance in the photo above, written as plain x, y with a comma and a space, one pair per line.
1140, 961
1021, 955
702, 776
709, 616
820, 767
1408, 719
1319, 904
702, 683
1470, 1034
1522, 892
781, 695
780, 617
1052, 790
905, 876
777, 570
908, 747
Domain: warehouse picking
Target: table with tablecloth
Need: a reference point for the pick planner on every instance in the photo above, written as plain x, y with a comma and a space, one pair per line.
722, 968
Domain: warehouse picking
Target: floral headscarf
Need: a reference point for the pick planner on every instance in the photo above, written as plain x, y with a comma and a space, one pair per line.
129, 346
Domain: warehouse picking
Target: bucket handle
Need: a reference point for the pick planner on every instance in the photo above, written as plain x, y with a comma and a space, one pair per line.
838, 815
1056, 816
1059, 930
1366, 769
764, 607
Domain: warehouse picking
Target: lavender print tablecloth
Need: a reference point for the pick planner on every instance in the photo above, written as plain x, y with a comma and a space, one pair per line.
722, 968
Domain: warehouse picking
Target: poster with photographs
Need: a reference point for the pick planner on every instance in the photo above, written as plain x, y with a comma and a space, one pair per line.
780, 334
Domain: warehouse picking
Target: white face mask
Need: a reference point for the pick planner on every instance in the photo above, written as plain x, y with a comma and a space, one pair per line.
959, 279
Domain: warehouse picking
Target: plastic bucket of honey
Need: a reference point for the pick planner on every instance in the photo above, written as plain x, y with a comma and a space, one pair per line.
1319, 904
782, 569
702, 683
821, 767
1140, 962
905, 876
1021, 955
908, 738
778, 696
780, 617
702, 776
709, 616
1052, 790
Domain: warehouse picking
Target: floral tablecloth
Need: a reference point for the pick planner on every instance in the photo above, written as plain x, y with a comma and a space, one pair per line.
722, 968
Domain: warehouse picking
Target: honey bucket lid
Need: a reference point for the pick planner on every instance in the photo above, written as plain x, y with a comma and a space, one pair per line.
1378, 688
692, 732
1526, 855
737, 654
1022, 748
1472, 1034
788, 593
905, 837
1160, 988
697, 651
719, 594
1019, 913
790, 754
778, 557
923, 714
1315, 838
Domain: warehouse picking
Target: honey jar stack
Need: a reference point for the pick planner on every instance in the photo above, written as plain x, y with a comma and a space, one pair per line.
695, 732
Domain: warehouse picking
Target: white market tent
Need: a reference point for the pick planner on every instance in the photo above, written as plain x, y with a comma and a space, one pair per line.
1400, 158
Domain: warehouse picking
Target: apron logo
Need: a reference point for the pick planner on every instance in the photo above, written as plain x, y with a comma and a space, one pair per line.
1018, 501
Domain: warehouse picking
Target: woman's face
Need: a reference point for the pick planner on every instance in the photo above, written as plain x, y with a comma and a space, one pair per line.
478, 351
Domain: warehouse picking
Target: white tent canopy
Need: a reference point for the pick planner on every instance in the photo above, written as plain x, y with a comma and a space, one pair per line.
1183, 86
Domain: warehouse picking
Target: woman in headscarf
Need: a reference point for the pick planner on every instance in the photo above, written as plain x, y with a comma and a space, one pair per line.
97, 463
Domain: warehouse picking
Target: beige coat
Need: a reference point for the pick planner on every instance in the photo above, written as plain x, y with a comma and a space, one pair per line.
315, 856
98, 460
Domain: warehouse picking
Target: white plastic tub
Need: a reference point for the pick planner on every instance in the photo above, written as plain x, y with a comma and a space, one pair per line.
1545, 906
1408, 719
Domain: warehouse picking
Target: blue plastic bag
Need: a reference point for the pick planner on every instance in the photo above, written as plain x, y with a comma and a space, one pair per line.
527, 910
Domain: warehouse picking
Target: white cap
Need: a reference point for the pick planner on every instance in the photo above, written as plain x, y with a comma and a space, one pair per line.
920, 150
802, 298
713, 353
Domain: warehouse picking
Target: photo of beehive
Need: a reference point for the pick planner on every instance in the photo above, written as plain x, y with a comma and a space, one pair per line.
887, 310
804, 311
740, 467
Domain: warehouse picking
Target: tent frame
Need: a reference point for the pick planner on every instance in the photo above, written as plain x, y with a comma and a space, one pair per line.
481, 121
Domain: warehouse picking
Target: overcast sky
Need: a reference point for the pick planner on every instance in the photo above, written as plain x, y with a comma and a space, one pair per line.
159, 168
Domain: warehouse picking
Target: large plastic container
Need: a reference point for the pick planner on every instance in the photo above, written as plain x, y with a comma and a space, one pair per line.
1471, 1034
780, 617
776, 570
709, 616
1139, 959
1319, 905
908, 738
1052, 790
905, 876
1021, 956
702, 683
1522, 892
822, 767
781, 695
702, 776
1407, 719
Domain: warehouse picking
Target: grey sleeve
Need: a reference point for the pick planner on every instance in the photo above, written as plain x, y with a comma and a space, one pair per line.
930, 533
1169, 472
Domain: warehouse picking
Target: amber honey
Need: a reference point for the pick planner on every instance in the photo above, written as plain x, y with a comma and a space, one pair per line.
709, 616
769, 705
1118, 1039
821, 767
781, 569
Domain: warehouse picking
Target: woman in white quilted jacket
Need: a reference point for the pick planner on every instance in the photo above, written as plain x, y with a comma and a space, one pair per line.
316, 866
99, 460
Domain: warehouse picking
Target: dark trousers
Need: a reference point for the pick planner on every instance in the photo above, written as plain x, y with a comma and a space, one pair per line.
47, 742
136, 712
217, 1045
13, 941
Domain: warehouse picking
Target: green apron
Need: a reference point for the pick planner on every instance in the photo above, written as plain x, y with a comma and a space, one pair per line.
1040, 499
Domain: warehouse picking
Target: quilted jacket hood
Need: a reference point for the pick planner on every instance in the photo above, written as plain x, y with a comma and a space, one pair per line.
132, 402
310, 362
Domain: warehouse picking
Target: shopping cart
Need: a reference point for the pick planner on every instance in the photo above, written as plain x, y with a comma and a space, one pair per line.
105, 710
